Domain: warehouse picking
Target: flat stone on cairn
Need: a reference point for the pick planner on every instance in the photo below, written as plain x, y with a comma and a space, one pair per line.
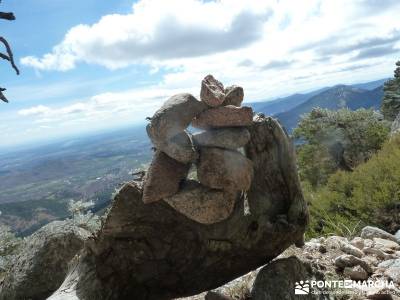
228, 138
224, 116
223, 172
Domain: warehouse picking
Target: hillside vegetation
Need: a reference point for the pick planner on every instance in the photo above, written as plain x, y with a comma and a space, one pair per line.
349, 167
368, 195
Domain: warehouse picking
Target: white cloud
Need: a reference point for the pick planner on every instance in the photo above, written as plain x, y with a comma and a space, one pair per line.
123, 107
279, 41
158, 30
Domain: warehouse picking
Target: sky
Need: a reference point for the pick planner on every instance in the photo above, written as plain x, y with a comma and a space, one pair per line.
92, 65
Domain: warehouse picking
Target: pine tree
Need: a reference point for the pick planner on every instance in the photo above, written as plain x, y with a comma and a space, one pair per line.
391, 98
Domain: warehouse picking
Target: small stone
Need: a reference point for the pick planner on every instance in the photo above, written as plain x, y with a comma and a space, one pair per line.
212, 91
224, 116
202, 204
370, 232
350, 249
347, 260
224, 169
368, 243
334, 242
355, 273
378, 252
394, 274
179, 147
228, 138
163, 177
357, 242
384, 243
371, 260
390, 263
397, 234
174, 117
234, 95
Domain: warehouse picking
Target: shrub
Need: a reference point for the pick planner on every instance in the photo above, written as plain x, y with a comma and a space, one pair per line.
351, 200
337, 140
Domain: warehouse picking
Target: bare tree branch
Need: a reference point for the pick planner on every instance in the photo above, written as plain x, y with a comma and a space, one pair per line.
2, 97
7, 16
10, 54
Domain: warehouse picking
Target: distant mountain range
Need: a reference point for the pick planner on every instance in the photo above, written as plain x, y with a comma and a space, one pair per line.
290, 109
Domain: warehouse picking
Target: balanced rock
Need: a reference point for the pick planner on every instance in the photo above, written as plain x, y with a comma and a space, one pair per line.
163, 177
212, 91
224, 116
179, 147
224, 169
228, 138
234, 95
202, 204
174, 117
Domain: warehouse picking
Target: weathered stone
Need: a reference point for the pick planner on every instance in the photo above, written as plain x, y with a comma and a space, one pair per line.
385, 244
370, 232
163, 177
228, 138
173, 117
202, 204
350, 249
368, 243
355, 273
179, 147
378, 252
234, 95
224, 169
390, 263
216, 296
347, 260
279, 279
334, 242
394, 274
212, 91
357, 242
41, 266
224, 116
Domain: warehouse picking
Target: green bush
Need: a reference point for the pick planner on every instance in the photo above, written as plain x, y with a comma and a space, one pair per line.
337, 140
351, 200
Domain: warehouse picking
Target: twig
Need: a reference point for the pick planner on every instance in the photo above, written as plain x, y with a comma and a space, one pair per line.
7, 16
10, 54
2, 97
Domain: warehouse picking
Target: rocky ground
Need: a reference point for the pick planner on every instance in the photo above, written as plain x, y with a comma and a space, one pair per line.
372, 256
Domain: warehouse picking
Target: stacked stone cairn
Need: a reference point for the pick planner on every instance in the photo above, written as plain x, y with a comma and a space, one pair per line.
223, 172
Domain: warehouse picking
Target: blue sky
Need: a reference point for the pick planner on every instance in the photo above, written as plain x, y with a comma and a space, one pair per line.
96, 65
